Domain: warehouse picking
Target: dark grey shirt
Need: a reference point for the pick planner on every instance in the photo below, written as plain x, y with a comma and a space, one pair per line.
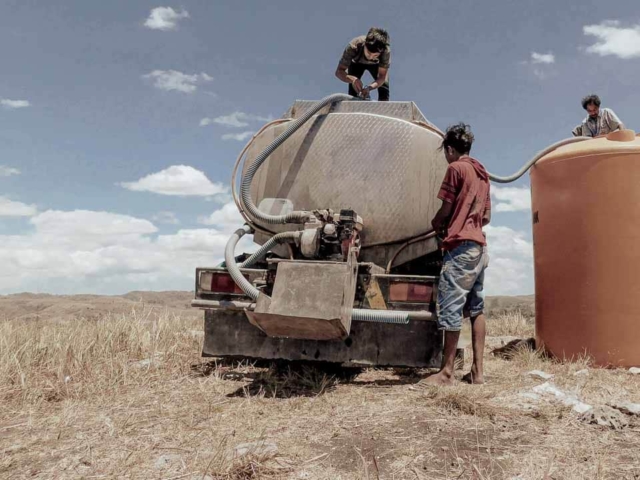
355, 53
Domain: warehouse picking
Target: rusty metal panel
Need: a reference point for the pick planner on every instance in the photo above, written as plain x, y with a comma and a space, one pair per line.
385, 168
310, 300
418, 344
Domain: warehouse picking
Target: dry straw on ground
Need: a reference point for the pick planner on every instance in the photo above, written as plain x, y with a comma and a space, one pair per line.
128, 396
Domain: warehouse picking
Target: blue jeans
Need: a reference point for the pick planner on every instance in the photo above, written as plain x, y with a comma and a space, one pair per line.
461, 284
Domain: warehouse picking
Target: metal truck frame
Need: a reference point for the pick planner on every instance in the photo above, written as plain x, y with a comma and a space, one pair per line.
229, 333
325, 297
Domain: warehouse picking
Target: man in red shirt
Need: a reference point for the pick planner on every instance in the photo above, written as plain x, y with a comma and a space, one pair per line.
466, 208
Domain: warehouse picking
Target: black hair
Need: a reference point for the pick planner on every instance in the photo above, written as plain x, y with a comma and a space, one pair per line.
377, 36
590, 100
458, 137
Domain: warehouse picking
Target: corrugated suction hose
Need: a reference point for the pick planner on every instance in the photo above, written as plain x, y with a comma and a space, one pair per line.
380, 316
375, 316
247, 179
277, 239
232, 267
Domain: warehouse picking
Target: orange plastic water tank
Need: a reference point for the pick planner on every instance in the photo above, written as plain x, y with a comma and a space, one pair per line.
586, 236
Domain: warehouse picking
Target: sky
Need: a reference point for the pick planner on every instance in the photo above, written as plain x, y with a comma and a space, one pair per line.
120, 121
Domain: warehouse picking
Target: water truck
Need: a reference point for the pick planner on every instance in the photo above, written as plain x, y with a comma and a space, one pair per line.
339, 195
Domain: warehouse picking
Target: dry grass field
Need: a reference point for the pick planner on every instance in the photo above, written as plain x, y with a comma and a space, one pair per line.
126, 394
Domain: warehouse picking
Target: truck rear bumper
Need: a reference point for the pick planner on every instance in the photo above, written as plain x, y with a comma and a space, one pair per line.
228, 333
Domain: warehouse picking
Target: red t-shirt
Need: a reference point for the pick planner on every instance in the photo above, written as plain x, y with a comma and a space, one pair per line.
466, 186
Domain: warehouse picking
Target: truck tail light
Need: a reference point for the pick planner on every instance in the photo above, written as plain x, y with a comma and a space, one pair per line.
218, 282
410, 292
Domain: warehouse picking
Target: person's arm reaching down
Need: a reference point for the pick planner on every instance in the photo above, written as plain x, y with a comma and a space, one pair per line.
341, 73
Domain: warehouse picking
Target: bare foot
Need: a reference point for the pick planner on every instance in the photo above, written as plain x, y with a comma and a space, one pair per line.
473, 377
439, 378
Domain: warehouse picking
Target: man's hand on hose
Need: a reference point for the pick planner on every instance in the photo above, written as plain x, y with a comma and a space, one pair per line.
364, 93
357, 85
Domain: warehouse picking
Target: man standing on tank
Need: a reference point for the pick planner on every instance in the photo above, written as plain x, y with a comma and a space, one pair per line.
466, 208
371, 53
599, 121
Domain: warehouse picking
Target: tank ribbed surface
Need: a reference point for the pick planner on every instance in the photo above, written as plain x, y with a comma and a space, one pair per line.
377, 158
586, 233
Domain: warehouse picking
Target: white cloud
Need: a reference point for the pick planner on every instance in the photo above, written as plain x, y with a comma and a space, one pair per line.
546, 58
164, 18
237, 136
510, 269
236, 119
613, 39
511, 199
103, 252
8, 171
205, 121
89, 228
178, 180
173, 80
228, 218
166, 217
13, 104
9, 208
540, 64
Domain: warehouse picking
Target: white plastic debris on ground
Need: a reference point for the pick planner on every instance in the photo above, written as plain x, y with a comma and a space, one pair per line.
544, 393
634, 371
614, 414
548, 389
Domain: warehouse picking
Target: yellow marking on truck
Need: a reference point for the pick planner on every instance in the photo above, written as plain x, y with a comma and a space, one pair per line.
374, 296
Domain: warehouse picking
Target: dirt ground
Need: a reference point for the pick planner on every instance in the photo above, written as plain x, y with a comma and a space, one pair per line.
125, 394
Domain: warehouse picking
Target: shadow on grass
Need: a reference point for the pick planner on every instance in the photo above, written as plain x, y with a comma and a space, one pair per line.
277, 379
308, 382
286, 379
515, 347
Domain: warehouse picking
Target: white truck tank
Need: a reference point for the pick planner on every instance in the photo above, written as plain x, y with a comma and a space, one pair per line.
380, 159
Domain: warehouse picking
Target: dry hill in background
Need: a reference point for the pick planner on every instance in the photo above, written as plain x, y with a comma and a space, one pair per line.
66, 307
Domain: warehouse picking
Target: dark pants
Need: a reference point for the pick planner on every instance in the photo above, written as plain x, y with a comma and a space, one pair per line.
358, 69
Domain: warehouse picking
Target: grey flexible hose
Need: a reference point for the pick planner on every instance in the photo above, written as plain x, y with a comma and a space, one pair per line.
375, 316
363, 315
272, 242
232, 267
380, 316
247, 179
538, 156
